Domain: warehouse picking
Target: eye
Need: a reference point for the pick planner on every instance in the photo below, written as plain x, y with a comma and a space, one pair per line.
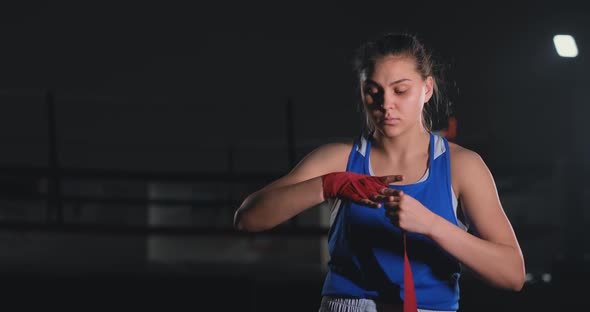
400, 90
371, 88
374, 93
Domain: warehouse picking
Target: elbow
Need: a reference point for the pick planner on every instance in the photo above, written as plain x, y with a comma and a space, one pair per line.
516, 283
515, 276
510, 283
520, 279
242, 226
519, 282
510, 278
248, 218
239, 222
244, 223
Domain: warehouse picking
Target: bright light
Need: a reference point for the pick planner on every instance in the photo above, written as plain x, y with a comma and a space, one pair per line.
546, 277
565, 45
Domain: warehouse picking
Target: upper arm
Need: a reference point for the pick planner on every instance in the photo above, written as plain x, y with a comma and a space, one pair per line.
477, 192
327, 158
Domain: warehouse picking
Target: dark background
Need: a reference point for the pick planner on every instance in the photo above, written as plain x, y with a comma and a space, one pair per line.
131, 132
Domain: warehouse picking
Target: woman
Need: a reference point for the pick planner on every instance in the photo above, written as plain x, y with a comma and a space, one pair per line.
398, 185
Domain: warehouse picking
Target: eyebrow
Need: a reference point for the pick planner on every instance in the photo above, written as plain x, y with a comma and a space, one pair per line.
398, 81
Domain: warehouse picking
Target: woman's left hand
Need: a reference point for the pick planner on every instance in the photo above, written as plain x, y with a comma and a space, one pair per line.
409, 214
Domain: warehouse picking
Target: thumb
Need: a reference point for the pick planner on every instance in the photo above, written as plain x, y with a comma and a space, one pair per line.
392, 178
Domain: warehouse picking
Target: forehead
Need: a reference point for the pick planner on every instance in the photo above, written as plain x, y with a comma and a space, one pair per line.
394, 67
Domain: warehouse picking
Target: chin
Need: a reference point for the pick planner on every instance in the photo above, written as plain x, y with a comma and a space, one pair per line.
391, 132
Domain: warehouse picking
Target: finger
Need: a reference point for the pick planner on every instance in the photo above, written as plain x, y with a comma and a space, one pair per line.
370, 203
388, 199
390, 192
392, 212
393, 199
391, 205
380, 198
392, 178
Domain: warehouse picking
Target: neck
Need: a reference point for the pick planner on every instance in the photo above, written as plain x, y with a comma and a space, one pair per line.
406, 145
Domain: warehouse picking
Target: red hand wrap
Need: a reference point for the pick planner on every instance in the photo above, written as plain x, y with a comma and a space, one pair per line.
351, 186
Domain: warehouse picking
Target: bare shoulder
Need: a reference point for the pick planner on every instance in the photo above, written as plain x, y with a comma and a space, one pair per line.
466, 167
461, 154
326, 158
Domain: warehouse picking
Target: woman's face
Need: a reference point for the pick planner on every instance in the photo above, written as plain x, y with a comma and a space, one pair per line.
400, 87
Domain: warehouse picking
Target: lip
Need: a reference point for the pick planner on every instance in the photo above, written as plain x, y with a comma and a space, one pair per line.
391, 121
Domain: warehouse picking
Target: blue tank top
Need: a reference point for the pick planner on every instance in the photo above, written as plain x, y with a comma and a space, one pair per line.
366, 250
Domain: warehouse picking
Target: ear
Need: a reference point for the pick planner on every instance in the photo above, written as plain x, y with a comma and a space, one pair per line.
429, 88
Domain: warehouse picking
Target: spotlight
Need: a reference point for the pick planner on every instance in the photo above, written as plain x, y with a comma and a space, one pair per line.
565, 45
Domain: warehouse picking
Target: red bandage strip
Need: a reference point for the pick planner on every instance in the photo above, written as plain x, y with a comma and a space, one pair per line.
409, 291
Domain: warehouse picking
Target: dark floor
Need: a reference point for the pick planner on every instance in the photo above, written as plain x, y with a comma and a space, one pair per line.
182, 293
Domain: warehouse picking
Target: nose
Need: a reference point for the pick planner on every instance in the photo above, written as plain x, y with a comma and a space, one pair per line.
389, 101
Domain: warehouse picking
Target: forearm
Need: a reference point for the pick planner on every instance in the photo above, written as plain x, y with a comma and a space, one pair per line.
501, 265
266, 209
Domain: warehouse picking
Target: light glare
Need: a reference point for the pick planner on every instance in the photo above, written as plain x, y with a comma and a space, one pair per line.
565, 45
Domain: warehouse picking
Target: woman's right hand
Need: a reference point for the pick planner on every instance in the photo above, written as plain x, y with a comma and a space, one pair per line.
360, 188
